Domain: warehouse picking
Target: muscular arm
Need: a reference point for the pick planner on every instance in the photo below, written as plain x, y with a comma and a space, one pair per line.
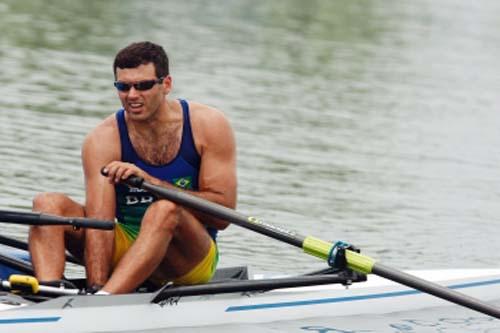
100, 147
217, 179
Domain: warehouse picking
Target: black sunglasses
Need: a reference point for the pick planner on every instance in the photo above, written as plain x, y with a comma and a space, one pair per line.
141, 85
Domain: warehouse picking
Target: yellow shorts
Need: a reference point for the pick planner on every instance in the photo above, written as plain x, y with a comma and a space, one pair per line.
201, 273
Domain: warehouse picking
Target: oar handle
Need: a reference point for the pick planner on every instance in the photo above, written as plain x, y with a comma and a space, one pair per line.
133, 181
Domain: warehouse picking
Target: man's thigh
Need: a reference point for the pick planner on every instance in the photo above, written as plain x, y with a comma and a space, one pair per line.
74, 237
61, 204
189, 246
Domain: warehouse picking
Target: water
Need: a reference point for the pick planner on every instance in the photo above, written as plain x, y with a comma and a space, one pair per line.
374, 122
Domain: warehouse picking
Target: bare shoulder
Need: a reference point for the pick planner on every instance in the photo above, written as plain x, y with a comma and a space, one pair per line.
205, 114
103, 140
209, 124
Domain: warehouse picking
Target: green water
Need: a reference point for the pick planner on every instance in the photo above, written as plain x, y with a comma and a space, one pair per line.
375, 122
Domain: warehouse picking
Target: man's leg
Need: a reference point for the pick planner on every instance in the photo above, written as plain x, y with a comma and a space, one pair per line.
190, 250
47, 244
170, 243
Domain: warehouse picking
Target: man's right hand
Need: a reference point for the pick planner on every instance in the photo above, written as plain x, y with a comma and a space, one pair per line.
117, 171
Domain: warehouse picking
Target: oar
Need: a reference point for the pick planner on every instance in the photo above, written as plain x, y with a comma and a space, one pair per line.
17, 264
313, 246
24, 246
46, 219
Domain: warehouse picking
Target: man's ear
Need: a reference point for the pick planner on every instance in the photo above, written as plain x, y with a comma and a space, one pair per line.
167, 83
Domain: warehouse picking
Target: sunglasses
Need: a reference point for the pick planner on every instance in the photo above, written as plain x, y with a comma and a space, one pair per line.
141, 85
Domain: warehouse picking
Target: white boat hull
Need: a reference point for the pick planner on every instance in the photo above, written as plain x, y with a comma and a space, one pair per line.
136, 313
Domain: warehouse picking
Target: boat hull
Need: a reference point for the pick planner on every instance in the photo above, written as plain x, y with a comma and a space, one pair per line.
135, 312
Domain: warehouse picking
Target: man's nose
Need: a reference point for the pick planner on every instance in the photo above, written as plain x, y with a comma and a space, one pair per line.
133, 92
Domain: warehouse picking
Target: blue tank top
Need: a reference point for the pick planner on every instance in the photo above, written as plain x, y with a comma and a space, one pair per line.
182, 171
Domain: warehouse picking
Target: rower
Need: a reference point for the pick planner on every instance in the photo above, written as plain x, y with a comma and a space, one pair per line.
169, 142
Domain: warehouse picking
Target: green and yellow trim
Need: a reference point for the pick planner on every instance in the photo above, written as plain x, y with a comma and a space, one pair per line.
317, 247
358, 262
321, 249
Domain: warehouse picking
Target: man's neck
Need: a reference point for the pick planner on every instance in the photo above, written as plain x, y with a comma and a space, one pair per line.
155, 125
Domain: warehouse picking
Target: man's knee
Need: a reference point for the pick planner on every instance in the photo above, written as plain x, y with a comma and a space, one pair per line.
50, 202
162, 214
57, 204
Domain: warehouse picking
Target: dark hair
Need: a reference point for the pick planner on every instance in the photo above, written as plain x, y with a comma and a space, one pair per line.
142, 53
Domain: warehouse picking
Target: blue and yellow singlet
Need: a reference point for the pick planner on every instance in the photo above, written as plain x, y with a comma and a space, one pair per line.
182, 171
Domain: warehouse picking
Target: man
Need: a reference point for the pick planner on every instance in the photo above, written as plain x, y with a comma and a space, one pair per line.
165, 141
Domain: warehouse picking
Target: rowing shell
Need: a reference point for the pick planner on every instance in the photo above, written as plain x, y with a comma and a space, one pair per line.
137, 312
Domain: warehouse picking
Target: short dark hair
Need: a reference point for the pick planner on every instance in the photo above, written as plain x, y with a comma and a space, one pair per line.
142, 53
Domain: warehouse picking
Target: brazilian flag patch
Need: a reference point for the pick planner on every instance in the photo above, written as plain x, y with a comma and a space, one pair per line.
184, 182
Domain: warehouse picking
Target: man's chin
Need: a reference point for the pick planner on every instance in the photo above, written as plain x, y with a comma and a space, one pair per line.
136, 114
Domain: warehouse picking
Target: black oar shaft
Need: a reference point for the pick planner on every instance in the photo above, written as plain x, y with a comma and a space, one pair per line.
16, 264
220, 212
24, 246
13, 243
31, 218
435, 289
314, 246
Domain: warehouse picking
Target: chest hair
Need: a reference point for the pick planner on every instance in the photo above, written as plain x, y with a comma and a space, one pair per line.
158, 149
